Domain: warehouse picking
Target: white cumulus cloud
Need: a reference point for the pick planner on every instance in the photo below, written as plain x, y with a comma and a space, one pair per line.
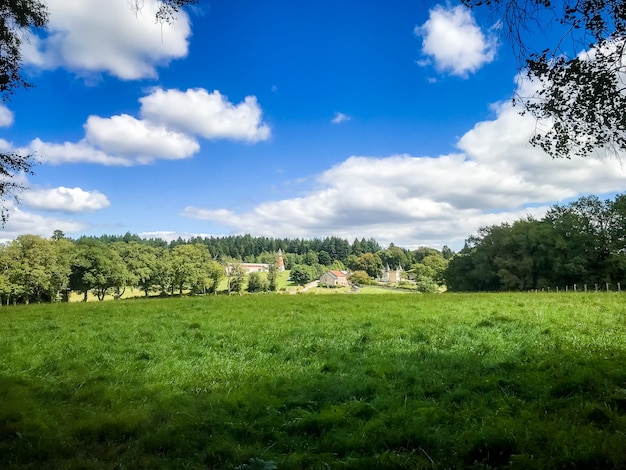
23, 222
496, 176
6, 116
97, 36
454, 42
64, 199
72, 152
210, 115
127, 136
170, 121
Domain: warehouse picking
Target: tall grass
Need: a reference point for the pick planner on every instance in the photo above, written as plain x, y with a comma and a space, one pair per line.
343, 381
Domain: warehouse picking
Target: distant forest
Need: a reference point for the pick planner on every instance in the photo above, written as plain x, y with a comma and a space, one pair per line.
37, 269
582, 243
249, 249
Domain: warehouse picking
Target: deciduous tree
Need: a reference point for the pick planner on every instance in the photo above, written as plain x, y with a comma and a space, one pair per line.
31, 264
257, 283
141, 263
236, 274
302, 274
215, 273
578, 68
360, 278
272, 276
370, 263
97, 268
189, 264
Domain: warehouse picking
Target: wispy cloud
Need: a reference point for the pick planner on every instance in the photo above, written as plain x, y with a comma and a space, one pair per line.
340, 117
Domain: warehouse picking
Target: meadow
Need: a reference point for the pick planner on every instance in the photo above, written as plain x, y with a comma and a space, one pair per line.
342, 381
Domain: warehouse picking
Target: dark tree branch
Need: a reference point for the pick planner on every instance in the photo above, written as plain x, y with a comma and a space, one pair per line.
581, 87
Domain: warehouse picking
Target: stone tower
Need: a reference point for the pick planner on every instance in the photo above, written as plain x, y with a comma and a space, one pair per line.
281, 262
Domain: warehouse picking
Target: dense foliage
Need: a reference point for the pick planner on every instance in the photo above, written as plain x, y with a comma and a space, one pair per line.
572, 53
576, 244
580, 243
34, 269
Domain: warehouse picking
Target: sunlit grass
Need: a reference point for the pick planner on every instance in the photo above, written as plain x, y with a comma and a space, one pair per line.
348, 381
282, 283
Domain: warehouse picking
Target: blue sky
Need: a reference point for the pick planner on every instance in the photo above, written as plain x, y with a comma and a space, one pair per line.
283, 119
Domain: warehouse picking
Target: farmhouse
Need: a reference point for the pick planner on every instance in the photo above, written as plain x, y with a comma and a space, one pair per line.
264, 267
255, 267
334, 278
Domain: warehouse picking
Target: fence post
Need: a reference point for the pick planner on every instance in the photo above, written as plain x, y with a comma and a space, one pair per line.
574, 287
596, 287
585, 288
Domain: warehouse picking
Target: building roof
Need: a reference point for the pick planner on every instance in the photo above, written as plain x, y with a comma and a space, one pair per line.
336, 273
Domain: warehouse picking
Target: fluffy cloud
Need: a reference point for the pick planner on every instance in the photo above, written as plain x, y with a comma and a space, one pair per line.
496, 177
209, 115
21, 222
64, 199
453, 40
170, 121
72, 152
6, 116
95, 36
126, 136
6, 146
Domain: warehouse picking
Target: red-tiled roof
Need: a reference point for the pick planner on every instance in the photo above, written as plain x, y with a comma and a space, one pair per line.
337, 273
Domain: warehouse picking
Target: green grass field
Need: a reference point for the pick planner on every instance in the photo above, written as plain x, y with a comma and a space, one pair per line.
362, 381
282, 285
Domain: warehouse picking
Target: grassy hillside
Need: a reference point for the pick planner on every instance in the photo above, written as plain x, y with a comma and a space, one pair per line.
304, 381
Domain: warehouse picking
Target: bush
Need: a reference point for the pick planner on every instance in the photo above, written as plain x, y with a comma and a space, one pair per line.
257, 283
426, 285
360, 278
302, 274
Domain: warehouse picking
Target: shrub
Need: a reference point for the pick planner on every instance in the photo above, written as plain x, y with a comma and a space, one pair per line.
360, 278
257, 283
426, 284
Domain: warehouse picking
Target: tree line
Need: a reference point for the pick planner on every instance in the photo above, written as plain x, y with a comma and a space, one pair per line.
579, 243
37, 269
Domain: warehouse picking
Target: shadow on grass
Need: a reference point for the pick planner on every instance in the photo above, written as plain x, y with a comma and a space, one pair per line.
355, 408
